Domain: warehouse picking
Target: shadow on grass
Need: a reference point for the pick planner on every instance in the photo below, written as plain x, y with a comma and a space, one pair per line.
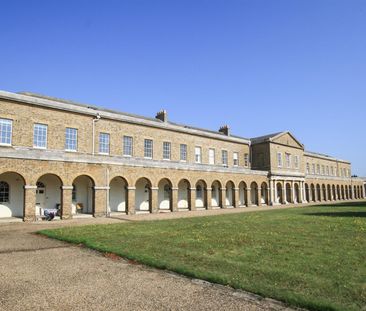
338, 214
350, 204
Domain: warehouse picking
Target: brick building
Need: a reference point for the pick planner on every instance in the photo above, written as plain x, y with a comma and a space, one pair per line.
88, 160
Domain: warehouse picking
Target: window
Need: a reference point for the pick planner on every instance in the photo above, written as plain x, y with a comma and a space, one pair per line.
332, 170
318, 169
127, 146
327, 170
183, 152
6, 127
279, 159
296, 161
288, 159
40, 136
224, 157
307, 168
104, 143
197, 154
71, 139
246, 159
235, 159
323, 170
148, 148
4, 192
344, 172
166, 150
211, 156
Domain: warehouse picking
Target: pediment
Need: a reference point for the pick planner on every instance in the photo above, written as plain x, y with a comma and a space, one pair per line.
287, 139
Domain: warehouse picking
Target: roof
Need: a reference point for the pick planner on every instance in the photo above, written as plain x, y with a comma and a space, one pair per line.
324, 156
62, 104
264, 138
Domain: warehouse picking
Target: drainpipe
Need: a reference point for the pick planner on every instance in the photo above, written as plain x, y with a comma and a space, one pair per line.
96, 119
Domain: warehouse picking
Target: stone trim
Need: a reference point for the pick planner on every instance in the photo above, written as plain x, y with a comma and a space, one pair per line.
102, 187
131, 188
30, 187
67, 187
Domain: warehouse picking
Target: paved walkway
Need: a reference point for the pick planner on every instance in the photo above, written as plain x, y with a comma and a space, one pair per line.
37, 273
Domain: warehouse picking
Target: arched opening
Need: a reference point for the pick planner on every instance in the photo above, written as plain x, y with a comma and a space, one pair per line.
313, 197
296, 193
216, 194
358, 192
230, 194
350, 192
165, 195
264, 193
11, 195
329, 190
201, 195
334, 193
254, 193
83, 195
279, 198
288, 193
307, 193
324, 190
184, 195
355, 192
118, 195
338, 193
318, 193
143, 196
342, 192
48, 194
243, 200
346, 192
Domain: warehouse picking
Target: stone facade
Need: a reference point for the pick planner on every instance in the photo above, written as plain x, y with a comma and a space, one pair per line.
228, 172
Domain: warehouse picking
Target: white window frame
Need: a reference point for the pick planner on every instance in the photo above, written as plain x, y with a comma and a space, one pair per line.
224, 157
307, 168
167, 150
127, 146
279, 159
36, 135
211, 156
288, 159
318, 169
104, 148
4, 126
332, 171
4, 192
296, 161
236, 159
183, 152
148, 148
198, 154
72, 137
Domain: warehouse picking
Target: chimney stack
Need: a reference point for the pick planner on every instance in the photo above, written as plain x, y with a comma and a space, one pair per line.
225, 130
162, 115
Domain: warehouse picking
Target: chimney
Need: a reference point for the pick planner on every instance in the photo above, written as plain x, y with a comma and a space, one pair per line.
162, 115
225, 130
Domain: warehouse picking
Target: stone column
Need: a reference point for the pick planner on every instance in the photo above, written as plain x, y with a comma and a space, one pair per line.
100, 201
249, 197
292, 192
131, 200
268, 196
29, 203
174, 199
223, 197
272, 192
66, 203
301, 193
236, 197
154, 200
193, 199
363, 191
259, 195
209, 198
284, 195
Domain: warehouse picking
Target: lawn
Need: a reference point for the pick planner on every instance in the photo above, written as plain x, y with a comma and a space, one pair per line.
311, 257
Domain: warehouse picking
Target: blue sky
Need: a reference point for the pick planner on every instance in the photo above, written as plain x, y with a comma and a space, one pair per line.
258, 66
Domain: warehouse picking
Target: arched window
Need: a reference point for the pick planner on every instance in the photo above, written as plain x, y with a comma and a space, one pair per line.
4, 192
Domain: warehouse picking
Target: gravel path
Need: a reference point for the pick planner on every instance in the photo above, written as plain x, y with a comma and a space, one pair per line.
37, 273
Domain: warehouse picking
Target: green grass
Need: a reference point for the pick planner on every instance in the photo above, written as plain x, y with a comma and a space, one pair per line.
312, 257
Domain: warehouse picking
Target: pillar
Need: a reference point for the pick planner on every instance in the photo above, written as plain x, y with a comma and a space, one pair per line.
292, 192
249, 197
284, 194
154, 200
174, 199
259, 195
29, 203
66, 203
193, 199
131, 200
223, 197
209, 198
100, 201
301, 192
268, 196
272, 198
236, 197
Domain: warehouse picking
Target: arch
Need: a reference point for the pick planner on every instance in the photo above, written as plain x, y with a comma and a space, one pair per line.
143, 195
83, 195
318, 193
165, 202
346, 192
307, 193
288, 193
334, 193
296, 193
358, 192
230, 194
279, 193
264, 193
48, 193
216, 194
254, 193
313, 196
355, 192
329, 190
342, 192
243, 200
350, 192
324, 190
118, 195
184, 195
338, 193
11, 195
201, 194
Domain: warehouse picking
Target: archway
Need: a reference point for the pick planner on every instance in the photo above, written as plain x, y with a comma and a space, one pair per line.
288, 193
165, 195
83, 195
313, 197
11, 195
264, 193
216, 194
342, 192
318, 193
307, 193
48, 193
230, 194
329, 190
118, 195
243, 200
324, 190
279, 198
334, 193
184, 195
350, 192
201, 196
338, 193
296, 193
143, 196
254, 193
